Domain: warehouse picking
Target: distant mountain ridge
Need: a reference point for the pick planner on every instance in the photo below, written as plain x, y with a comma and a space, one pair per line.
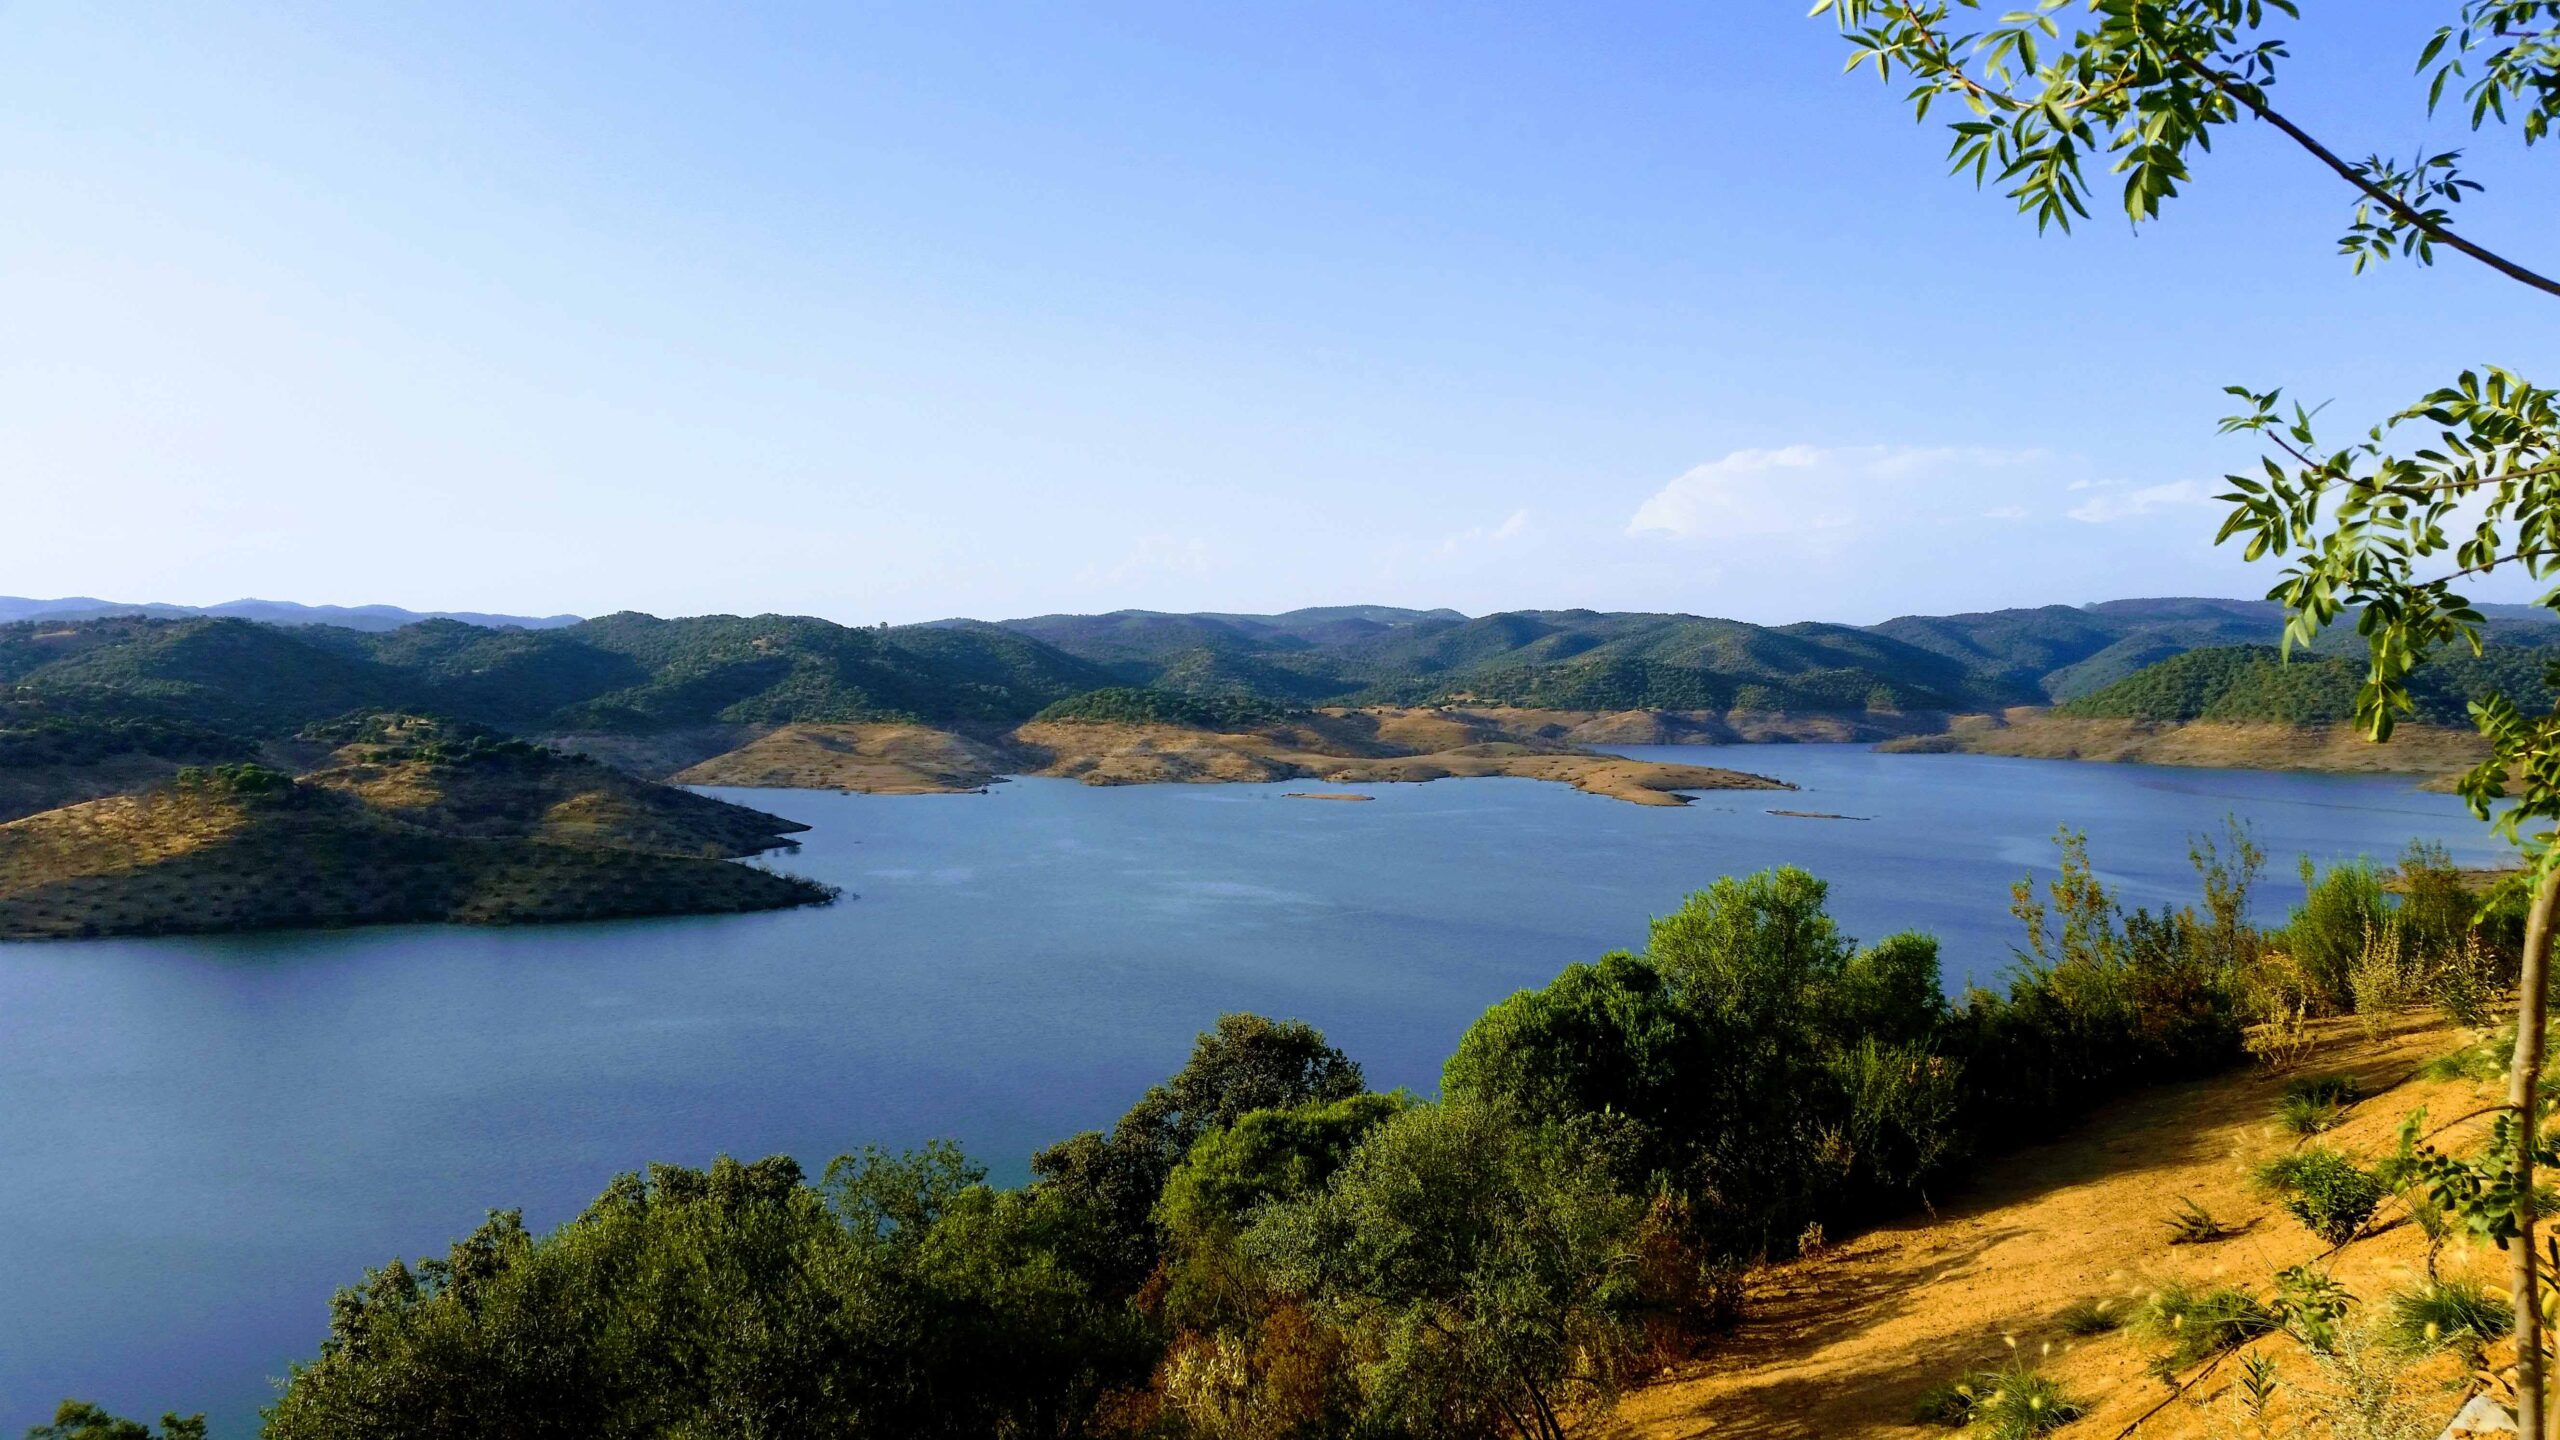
272, 612
177, 690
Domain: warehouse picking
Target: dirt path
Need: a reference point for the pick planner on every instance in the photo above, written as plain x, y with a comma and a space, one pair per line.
1843, 1344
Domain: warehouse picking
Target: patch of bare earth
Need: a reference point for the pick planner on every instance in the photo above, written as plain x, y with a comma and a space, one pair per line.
1844, 1343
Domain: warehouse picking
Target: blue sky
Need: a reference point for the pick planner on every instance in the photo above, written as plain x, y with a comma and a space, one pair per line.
906, 311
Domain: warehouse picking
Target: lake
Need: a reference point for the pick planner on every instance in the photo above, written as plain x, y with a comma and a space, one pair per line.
201, 1138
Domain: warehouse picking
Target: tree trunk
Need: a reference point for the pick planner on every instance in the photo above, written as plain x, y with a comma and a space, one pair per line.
2523, 1092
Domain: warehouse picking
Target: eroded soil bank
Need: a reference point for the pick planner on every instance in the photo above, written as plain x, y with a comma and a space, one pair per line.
1344, 746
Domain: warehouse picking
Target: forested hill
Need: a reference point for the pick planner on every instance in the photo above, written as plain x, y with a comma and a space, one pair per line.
623, 672
194, 689
2255, 683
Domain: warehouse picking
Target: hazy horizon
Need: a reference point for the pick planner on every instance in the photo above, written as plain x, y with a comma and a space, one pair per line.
115, 602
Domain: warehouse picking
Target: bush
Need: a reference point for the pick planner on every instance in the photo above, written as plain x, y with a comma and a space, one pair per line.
2328, 930
2331, 1195
2384, 976
2467, 982
2102, 1000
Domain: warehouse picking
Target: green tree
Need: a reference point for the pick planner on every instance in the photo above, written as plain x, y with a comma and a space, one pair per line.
1766, 1067
2462, 483
1488, 1272
736, 1303
1247, 1063
80, 1420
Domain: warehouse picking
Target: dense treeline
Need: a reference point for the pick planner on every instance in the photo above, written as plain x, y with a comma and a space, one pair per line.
2257, 683
202, 686
88, 729
1263, 1247
1148, 705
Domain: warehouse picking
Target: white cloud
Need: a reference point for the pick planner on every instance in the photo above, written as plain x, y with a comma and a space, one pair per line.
1514, 527
2005, 512
2109, 505
1805, 490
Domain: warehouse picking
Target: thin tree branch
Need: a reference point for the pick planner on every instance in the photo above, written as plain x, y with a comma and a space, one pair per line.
2247, 98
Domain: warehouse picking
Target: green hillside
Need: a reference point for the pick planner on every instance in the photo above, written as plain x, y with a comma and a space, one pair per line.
139, 696
412, 820
622, 672
1147, 705
2255, 683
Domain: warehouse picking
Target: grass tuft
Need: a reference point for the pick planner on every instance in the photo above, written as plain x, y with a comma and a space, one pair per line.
2192, 1224
2443, 1315
2085, 1318
2316, 1103
2193, 1325
2016, 1404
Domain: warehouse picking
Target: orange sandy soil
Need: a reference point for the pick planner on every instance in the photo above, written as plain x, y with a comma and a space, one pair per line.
1844, 1343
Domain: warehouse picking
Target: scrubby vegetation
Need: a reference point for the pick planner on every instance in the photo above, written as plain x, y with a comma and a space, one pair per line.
200, 689
1263, 1247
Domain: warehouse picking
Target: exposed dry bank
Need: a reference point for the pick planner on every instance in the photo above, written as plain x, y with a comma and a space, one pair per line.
2040, 734
1369, 745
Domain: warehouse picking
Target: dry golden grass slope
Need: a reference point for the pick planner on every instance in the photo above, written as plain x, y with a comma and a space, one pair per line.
211, 857
1843, 1344
561, 801
2040, 734
877, 759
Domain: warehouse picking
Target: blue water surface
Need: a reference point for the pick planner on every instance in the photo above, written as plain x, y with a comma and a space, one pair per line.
201, 1138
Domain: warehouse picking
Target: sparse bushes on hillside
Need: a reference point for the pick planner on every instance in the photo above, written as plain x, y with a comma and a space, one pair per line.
242, 779
2369, 941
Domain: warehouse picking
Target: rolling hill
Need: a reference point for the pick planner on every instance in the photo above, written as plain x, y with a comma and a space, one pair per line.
411, 820
93, 707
